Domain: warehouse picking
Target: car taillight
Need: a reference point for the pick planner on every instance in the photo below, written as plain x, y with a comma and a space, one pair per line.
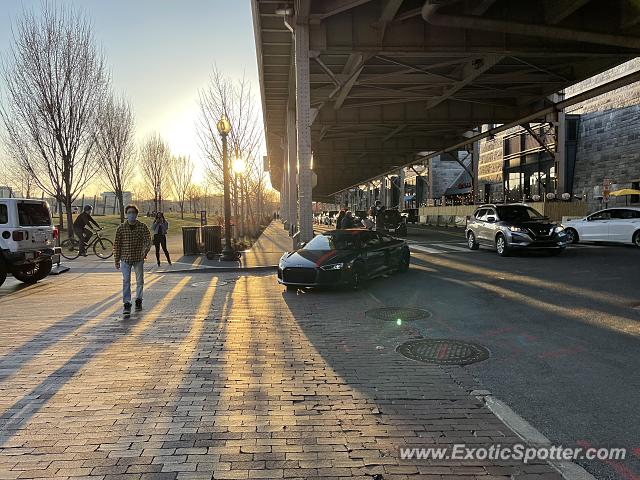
18, 236
56, 233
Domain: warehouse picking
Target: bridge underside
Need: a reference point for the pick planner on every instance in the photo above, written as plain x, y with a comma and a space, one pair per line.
391, 78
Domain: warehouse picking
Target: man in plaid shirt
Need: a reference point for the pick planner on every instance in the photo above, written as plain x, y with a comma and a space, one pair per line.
130, 248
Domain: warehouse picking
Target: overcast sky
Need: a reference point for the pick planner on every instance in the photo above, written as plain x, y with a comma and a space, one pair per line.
161, 52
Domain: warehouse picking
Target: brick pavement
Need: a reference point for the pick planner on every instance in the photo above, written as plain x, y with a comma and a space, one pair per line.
225, 377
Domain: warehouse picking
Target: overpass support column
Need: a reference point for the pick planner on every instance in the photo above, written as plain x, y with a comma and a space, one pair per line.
383, 190
401, 189
284, 192
292, 183
475, 161
303, 114
561, 157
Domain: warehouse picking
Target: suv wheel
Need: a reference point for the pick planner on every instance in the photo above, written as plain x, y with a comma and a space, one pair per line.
501, 246
34, 273
405, 260
471, 241
636, 238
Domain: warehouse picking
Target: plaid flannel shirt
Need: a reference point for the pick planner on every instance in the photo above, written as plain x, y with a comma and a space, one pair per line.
132, 242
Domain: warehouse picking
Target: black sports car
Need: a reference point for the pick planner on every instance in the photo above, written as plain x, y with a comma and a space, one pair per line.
343, 257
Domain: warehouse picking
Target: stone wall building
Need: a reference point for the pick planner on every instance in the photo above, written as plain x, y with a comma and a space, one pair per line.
603, 145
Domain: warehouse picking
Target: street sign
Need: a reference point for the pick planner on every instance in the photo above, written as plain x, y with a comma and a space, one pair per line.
606, 183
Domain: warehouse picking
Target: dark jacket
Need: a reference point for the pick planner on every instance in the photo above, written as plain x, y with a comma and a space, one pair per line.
347, 222
83, 220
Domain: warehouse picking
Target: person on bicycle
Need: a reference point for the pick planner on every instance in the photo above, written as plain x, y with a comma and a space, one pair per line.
80, 228
130, 248
160, 228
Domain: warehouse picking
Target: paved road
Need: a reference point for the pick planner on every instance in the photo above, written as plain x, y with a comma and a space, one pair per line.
232, 377
564, 332
225, 376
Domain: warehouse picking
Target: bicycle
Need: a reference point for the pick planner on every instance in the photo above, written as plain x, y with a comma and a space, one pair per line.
102, 247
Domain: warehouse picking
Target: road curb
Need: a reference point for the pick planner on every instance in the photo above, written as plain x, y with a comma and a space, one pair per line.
530, 434
257, 268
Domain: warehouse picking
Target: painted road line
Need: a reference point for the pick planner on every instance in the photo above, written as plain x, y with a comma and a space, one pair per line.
447, 246
421, 248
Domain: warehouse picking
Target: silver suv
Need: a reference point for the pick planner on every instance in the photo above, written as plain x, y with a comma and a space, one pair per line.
27, 239
514, 227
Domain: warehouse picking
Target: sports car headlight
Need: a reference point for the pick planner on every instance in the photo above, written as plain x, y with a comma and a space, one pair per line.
559, 229
335, 266
517, 229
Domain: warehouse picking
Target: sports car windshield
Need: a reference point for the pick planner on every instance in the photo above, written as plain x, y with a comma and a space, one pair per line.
325, 243
518, 213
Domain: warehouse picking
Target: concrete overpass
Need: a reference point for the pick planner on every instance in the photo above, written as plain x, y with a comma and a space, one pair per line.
355, 89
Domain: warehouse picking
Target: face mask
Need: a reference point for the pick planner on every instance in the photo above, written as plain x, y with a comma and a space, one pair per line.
131, 216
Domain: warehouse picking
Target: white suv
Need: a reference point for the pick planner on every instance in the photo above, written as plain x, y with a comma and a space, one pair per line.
27, 239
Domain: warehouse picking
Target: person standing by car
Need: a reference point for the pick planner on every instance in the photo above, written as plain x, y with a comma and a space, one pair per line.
348, 221
378, 215
160, 228
80, 225
130, 248
339, 220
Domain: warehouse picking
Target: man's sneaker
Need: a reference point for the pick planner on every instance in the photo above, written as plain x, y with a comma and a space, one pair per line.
138, 304
127, 309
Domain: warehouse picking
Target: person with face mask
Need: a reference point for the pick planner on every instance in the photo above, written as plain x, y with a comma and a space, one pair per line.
130, 248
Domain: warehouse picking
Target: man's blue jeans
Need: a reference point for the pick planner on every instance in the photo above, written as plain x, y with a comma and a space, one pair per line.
126, 268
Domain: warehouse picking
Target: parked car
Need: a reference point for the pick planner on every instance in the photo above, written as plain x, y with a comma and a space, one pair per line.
343, 257
514, 227
395, 222
619, 224
27, 240
412, 215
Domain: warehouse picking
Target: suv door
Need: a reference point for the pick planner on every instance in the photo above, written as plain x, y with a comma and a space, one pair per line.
477, 224
596, 228
623, 224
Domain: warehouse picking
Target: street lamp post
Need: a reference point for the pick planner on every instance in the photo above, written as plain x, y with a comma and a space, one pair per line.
228, 253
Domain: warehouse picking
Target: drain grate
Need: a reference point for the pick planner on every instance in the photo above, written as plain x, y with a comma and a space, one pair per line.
443, 352
394, 314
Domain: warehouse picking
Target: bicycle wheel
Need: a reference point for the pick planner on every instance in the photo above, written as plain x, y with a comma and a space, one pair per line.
103, 248
70, 248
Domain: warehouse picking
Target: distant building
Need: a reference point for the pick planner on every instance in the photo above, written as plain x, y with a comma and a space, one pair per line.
110, 201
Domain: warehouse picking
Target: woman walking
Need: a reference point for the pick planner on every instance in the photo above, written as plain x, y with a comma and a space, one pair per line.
160, 228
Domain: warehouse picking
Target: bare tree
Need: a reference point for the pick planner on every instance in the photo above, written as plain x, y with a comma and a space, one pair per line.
114, 146
154, 159
182, 179
55, 81
235, 100
18, 178
194, 195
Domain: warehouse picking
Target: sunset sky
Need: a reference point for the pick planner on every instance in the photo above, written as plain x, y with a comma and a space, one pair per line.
160, 53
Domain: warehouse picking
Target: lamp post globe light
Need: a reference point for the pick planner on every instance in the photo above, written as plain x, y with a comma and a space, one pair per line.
224, 127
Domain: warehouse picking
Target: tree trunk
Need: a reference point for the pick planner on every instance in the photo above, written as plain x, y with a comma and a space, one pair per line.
67, 203
121, 202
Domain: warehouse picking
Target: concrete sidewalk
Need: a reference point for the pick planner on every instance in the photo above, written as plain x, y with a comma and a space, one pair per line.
263, 255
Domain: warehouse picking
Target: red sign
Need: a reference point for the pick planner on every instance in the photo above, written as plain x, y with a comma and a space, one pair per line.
606, 183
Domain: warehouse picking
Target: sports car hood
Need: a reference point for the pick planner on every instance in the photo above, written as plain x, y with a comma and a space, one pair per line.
316, 258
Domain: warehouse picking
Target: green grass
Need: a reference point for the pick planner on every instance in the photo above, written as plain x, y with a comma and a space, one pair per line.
109, 223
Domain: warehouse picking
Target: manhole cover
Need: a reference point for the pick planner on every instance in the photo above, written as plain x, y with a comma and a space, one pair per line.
206, 284
443, 352
395, 313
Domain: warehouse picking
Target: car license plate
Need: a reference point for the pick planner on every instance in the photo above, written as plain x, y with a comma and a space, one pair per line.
40, 236
29, 255
392, 229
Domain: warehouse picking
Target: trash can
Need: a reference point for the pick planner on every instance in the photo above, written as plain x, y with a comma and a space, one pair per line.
212, 239
190, 240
